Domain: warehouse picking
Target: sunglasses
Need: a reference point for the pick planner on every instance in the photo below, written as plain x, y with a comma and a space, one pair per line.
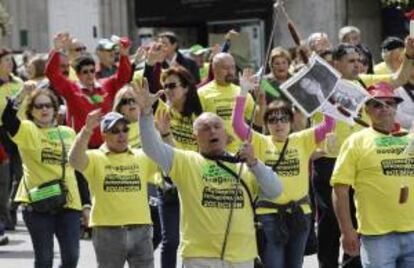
79, 49
40, 106
381, 105
88, 71
171, 86
116, 131
127, 101
275, 119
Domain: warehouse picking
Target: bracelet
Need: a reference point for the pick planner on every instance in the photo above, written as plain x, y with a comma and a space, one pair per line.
86, 206
165, 135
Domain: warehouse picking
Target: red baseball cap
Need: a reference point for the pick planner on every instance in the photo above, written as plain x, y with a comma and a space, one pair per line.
383, 90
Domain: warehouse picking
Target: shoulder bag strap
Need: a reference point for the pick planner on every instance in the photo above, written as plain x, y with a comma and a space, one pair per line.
281, 155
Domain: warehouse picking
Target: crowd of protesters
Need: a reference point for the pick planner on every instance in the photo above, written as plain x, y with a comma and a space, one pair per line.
172, 148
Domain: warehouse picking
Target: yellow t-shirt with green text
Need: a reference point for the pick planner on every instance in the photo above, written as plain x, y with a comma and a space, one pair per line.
293, 170
41, 152
221, 101
374, 165
206, 192
118, 186
181, 127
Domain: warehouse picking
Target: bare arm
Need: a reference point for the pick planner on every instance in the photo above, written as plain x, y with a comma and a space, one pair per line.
78, 158
340, 200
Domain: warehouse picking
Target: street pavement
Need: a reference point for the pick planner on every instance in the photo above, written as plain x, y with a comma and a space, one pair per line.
19, 254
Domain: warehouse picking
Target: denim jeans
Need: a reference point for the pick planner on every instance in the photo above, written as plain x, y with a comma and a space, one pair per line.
42, 227
5, 184
281, 250
170, 230
119, 244
395, 250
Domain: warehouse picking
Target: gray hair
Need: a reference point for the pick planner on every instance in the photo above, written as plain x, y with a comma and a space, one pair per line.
347, 30
313, 37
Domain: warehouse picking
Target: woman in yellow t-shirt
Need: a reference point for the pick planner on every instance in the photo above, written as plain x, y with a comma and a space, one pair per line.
175, 120
40, 142
286, 220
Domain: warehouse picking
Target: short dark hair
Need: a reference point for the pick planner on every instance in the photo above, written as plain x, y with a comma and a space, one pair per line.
172, 37
83, 60
32, 97
344, 49
280, 106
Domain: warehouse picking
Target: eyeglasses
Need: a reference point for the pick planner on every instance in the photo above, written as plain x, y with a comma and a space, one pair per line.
381, 105
40, 106
79, 49
88, 71
171, 86
125, 101
275, 119
116, 131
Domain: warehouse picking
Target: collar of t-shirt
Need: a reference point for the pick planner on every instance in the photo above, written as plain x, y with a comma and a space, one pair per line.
104, 148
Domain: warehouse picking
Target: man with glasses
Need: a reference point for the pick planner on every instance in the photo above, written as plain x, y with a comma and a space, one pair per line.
118, 178
88, 94
346, 61
376, 164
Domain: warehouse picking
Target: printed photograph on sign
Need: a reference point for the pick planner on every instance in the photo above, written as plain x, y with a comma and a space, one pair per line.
312, 86
350, 96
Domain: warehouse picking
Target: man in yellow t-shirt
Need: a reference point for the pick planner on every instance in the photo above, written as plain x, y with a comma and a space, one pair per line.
219, 96
117, 177
345, 60
373, 162
209, 192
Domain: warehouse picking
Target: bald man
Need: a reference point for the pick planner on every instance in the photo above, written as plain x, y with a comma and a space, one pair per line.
219, 96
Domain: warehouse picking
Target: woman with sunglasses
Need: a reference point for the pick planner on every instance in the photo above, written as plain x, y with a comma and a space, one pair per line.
174, 119
125, 104
43, 145
285, 220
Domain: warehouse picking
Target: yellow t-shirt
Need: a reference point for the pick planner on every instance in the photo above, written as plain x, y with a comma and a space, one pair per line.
134, 140
181, 127
138, 76
381, 68
206, 192
118, 186
374, 165
72, 75
221, 101
293, 170
41, 152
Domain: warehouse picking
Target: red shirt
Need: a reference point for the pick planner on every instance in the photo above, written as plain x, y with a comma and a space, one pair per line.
78, 103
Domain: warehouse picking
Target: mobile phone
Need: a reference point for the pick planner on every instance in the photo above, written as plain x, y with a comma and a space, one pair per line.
412, 28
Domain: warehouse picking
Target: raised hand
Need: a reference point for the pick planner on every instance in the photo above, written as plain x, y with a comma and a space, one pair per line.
93, 119
246, 154
231, 35
248, 81
144, 98
140, 55
155, 54
124, 45
61, 41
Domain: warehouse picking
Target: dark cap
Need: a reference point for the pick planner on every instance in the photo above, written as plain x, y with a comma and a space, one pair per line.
110, 120
343, 49
391, 43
